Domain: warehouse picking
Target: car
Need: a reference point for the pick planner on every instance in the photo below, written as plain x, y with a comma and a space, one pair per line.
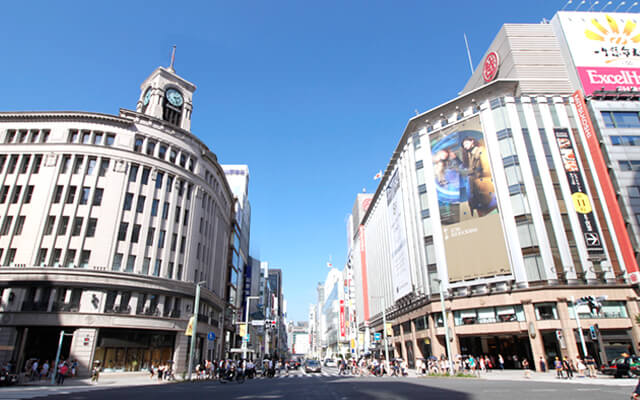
622, 366
330, 363
312, 366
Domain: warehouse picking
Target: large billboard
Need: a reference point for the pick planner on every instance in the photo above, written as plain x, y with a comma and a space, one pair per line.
471, 227
605, 48
400, 269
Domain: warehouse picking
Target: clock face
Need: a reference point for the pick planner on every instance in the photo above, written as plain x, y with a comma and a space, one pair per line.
147, 97
174, 97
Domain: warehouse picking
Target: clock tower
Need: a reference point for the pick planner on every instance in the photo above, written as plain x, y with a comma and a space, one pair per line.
167, 96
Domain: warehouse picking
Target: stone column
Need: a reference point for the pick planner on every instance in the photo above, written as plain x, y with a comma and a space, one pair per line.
181, 352
436, 348
535, 337
83, 345
568, 326
633, 310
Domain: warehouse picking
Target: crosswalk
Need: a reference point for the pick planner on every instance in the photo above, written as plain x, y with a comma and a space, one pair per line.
302, 374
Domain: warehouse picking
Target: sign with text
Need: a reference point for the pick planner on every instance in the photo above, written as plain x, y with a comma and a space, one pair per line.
605, 48
581, 201
400, 268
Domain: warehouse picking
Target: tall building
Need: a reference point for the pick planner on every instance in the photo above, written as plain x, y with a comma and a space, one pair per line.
108, 221
501, 200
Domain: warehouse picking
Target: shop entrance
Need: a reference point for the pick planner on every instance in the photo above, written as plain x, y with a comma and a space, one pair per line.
42, 343
513, 348
133, 350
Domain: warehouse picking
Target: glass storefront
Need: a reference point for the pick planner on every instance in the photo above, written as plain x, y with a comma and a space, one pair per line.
122, 350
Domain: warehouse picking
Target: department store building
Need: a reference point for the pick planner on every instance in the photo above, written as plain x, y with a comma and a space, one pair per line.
107, 222
514, 198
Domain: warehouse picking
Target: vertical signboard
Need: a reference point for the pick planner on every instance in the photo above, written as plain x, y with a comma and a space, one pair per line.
581, 201
400, 270
608, 191
342, 324
471, 227
363, 266
605, 48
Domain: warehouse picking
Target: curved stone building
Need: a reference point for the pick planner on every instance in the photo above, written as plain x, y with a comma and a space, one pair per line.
107, 224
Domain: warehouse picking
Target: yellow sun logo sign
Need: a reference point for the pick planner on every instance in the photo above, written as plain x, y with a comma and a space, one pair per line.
612, 33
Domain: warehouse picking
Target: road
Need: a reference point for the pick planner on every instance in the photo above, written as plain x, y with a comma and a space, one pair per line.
328, 385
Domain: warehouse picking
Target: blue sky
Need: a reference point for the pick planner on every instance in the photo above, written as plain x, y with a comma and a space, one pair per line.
313, 96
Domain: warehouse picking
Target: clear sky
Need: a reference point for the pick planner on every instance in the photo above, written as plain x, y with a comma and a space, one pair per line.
313, 96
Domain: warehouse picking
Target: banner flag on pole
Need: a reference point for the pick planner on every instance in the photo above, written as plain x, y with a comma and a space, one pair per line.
189, 331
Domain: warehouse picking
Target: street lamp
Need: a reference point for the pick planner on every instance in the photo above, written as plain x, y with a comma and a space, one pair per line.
246, 324
384, 330
446, 325
196, 309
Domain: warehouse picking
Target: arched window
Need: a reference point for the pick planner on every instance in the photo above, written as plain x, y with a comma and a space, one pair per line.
172, 106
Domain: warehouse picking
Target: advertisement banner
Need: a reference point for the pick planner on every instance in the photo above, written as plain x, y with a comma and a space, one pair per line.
400, 269
243, 330
605, 48
581, 201
342, 324
471, 227
363, 270
619, 226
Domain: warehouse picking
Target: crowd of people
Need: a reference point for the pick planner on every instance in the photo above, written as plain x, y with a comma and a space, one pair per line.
36, 369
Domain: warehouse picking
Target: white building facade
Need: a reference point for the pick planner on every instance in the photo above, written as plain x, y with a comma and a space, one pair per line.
108, 223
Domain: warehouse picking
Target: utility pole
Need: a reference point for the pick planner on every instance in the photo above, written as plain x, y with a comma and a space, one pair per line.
194, 337
446, 326
575, 312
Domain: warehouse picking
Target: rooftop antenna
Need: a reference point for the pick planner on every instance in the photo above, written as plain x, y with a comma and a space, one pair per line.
566, 5
607, 5
595, 3
635, 3
581, 3
173, 59
620, 5
466, 42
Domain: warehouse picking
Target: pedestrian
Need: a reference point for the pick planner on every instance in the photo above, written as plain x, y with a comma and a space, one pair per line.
591, 366
525, 366
636, 392
34, 370
581, 368
44, 371
557, 364
567, 367
543, 365
63, 370
501, 362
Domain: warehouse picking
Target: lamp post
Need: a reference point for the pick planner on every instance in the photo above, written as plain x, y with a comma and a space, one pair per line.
446, 325
246, 323
575, 312
384, 331
194, 332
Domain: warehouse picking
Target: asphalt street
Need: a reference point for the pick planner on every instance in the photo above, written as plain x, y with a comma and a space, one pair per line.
328, 385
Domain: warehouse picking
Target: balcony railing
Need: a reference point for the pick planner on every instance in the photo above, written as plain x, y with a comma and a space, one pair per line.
35, 305
65, 307
118, 309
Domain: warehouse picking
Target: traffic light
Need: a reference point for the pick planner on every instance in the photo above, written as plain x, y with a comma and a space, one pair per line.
594, 303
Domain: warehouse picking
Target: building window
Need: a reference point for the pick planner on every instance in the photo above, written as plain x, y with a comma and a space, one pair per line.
169, 183
57, 195
97, 197
77, 164
16, 194
140, 205
165, 210
62, 226
634, 191
122, 232
86, 137
179, 275
48, 226
117, 262
91, 165
37, 162
71, 195
10, 257
162, 151
13, 161
111, 139
159, 177
91, 227
24, 166
137, 146
172, 156
621, 119
170, 270
4, 193
150, 235
97, 138
55, 257
624, 140
104, 166
154, 207
84, 195
17, 231
133, 172
174, 242
156, 268
84, 258
42, 257
128, 199
183, 244
135, 233
151, 146
69, 258
546, 311
177, 219
77, 226
145, 175
145, 265
28, 194
161, 236
131, 262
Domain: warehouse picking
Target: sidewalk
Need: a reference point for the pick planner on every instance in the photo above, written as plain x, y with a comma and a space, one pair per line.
111, 379
550, 376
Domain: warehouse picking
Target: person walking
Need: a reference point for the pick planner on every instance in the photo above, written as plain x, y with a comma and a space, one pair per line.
525, 366
567, 367
63, 370
543, 365
501, 362
557, 364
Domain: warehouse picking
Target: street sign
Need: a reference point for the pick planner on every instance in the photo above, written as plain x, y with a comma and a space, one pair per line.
257, 322
594, 334
377, 336
211, 336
